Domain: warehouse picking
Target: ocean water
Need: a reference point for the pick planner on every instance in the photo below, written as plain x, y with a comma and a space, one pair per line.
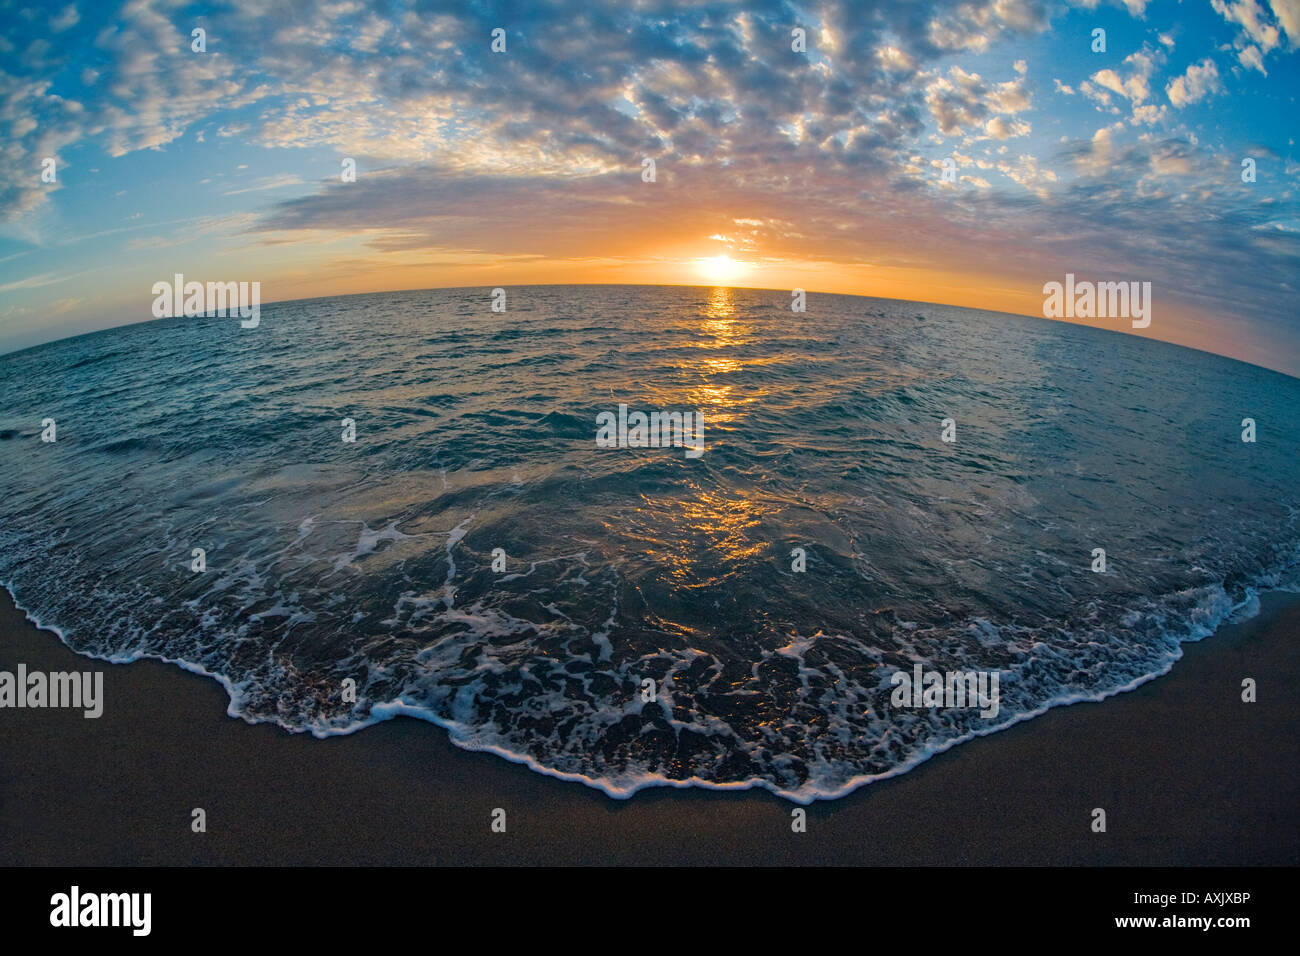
475, 430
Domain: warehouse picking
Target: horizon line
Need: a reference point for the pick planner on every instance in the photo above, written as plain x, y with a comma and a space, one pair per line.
668, 285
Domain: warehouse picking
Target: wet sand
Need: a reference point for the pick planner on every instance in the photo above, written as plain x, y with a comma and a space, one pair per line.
1187, 773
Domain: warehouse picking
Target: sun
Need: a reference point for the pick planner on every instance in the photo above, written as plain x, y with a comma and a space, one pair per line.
721, 269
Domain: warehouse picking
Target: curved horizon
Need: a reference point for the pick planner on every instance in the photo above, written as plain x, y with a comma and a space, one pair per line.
963, 153
668, 285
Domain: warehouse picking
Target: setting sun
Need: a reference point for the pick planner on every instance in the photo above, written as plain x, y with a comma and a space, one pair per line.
721, 269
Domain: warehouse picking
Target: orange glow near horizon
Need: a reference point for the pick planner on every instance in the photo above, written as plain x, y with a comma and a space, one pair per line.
411, 271
301, 275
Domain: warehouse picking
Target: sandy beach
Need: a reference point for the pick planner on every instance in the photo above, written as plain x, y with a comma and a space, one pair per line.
1188, 774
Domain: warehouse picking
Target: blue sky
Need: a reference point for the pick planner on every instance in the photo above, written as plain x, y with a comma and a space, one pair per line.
819, 169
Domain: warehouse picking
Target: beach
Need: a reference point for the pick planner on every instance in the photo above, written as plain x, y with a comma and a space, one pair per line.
610, 434
1187, 773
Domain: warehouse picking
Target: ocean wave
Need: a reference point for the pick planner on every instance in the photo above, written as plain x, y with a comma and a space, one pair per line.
473, 559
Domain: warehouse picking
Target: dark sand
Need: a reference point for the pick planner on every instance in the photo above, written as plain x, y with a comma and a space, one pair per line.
1187, 774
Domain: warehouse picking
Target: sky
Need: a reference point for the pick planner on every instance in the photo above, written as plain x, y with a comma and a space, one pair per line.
820, 168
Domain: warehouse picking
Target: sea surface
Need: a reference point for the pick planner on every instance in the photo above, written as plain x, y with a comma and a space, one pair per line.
372, 560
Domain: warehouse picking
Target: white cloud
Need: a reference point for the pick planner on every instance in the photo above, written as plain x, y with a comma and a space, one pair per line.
999, 128
66, 20
1149, 114
1200, 81
272, 182
1135, 87
962, 100
1252, 19
1260, 31
1251, 58
1288, 17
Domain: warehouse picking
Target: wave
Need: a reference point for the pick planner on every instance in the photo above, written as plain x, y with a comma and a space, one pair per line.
474, 560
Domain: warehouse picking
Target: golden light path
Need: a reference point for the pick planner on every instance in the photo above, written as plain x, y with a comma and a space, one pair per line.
714, 535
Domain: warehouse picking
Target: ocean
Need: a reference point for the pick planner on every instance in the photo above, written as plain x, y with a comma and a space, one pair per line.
732, 619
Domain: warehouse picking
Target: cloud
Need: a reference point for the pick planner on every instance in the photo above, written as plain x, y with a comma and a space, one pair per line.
1136, 86
1260, 30
583, 88
960, 101
1251, 58
1000, 128
1148, 115
65, 20
271, 182
32, 282
1255, 23
1137, 8
1200, 80
537, 152
1287, 13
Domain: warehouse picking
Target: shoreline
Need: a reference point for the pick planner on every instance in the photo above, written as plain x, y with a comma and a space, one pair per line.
1188, 774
